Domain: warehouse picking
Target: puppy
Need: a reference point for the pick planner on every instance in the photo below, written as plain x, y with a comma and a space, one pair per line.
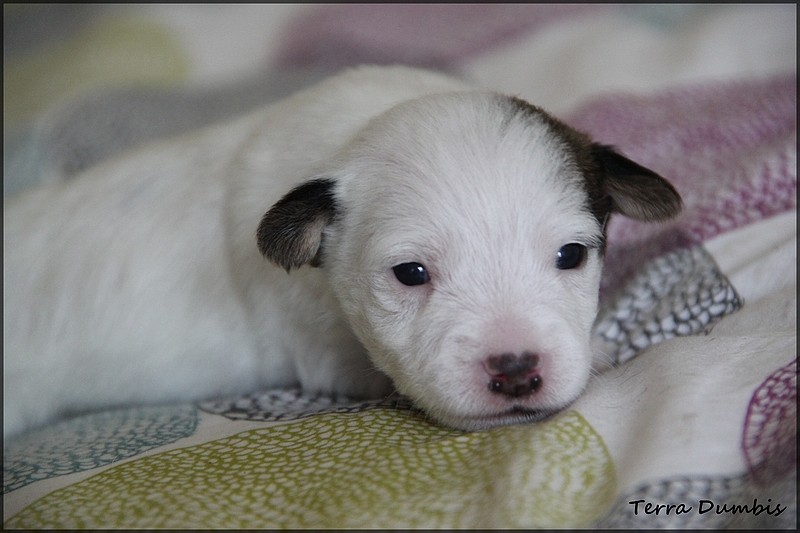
440, 241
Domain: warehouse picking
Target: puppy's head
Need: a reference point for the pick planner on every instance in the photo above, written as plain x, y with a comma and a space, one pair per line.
463, 236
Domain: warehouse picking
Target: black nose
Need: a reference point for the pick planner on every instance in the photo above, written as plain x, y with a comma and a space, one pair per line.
513, 375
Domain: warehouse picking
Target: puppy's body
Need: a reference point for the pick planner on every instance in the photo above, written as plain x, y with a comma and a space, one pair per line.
143, 280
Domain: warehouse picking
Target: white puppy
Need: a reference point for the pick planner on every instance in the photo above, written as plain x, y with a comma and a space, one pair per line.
458, 233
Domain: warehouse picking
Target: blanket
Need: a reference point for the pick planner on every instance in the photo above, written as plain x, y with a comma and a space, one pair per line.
693, 424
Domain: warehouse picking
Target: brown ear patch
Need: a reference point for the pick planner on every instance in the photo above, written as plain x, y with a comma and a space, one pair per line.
636, 191
290, 234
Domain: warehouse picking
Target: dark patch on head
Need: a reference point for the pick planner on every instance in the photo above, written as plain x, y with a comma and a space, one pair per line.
579, 146
612, 182
291, 234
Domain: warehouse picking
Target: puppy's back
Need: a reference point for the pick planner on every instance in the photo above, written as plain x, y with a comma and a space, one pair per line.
121, 285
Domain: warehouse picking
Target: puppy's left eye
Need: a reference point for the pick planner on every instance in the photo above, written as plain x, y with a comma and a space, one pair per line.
570, 256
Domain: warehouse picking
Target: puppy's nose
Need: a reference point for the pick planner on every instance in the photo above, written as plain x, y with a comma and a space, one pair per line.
513, 375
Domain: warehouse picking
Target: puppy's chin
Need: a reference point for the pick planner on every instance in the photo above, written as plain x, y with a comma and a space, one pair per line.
513, 416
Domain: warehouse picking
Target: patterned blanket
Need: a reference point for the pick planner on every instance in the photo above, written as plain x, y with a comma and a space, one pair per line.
694, 425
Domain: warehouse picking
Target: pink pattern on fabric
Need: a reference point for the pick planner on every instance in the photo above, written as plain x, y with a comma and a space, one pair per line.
431, 35
730, 148
769, 438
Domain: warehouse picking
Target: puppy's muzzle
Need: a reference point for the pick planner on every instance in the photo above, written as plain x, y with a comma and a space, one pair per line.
513, 375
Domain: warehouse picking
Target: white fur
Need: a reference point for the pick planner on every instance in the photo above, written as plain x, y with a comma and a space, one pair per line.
140, 281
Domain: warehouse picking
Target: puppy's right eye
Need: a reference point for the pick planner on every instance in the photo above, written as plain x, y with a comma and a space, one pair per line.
411, 274
570, 256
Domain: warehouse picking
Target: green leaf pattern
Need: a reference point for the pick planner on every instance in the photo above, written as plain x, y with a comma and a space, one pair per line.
376, 468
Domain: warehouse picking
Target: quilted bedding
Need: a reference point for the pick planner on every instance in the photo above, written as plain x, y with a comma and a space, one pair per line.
693, 426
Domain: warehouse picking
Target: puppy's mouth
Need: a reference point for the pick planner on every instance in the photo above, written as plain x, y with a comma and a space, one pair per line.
526, 411
517, 414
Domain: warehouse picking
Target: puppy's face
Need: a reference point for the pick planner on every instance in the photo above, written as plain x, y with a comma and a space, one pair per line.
463, 235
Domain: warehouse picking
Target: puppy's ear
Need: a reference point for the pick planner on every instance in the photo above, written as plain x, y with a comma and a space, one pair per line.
290, 233
636, 191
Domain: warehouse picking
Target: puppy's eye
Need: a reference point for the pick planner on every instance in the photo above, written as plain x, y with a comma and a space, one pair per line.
570, 256
411, 274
